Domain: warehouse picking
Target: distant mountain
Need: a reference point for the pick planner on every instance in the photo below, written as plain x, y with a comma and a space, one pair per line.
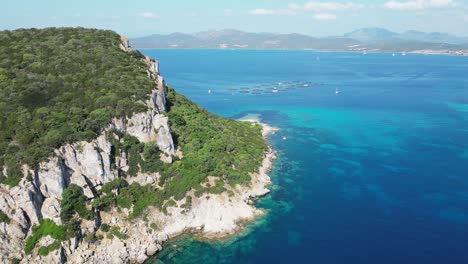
371, 34
365, 39
381, 34
230, 38
433, 37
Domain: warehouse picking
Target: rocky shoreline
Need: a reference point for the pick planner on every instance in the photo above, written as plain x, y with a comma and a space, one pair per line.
89, 166
212, 216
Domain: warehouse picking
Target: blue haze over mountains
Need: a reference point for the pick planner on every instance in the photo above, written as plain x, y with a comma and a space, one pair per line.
365, 39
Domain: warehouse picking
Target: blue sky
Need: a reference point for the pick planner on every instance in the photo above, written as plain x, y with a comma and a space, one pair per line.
317, 18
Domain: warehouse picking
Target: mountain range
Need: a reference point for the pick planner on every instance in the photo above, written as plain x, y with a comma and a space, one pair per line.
363, 40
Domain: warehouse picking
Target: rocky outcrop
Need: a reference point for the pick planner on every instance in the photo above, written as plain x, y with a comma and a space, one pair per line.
210, 215
22, 204
152, 125
86, 164
124, 44
92, 164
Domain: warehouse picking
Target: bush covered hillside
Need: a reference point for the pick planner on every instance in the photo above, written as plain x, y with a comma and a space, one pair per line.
62, 85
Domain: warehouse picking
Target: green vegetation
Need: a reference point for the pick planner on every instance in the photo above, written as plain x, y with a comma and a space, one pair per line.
15, 261
61, 85
73, 201
65, 85
15, 176
4, 218
212, 146
114, 231
105, 227
45, 250
140, 197
46, 227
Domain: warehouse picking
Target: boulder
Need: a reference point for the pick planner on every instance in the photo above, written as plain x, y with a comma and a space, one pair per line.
51, 209
152, 249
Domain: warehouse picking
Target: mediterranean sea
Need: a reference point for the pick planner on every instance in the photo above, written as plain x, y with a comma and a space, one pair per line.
372, 154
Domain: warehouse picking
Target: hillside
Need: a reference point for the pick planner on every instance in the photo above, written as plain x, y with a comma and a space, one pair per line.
366, 39
91, 133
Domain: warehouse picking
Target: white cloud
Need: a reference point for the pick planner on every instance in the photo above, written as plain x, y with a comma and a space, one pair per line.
326, 6
418, 4
147, 14
261, 11
325, 10
227, 12
442, 3
324, 16
294, 6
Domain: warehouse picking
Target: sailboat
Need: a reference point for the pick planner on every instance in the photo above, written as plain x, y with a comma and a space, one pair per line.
209, 91
336, 91
403, 53
393, 54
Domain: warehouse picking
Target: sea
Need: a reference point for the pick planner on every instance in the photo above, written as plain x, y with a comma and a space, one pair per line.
372, 154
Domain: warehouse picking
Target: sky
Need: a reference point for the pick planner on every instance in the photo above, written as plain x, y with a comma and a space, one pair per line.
317, 18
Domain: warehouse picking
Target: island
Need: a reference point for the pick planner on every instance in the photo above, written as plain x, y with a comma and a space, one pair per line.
102, 162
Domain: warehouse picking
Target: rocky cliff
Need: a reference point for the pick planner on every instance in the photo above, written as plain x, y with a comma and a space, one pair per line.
90, 165
86, 164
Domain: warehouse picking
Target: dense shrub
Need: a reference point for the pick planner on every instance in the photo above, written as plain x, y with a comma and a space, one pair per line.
46, 228
212, 146
45, 250
61, 85
73, 201
4, 218
105, 227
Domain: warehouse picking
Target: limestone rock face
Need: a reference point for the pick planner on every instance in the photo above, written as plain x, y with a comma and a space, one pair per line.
90, 160
92, 164
149, 127
56, 256
160, 102
51, 177
124, 44
51, 209
163, 135
22, 204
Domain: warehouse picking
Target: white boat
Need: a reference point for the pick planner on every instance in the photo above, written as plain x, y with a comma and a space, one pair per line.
403, 53
209, 91
285, 138
393, 54
274, 91
336, 91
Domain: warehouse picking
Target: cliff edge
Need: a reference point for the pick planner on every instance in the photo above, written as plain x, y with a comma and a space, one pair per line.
124, 183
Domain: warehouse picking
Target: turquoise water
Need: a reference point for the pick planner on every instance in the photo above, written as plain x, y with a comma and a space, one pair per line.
376, 173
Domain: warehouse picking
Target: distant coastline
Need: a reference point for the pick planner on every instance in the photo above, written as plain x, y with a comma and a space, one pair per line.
367, 40
461, 53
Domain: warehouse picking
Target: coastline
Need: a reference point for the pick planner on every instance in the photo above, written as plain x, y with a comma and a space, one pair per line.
211, 217
459, 53
127, 239
228, 214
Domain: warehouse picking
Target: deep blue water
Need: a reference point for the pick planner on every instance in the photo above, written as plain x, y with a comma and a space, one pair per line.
377, 173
